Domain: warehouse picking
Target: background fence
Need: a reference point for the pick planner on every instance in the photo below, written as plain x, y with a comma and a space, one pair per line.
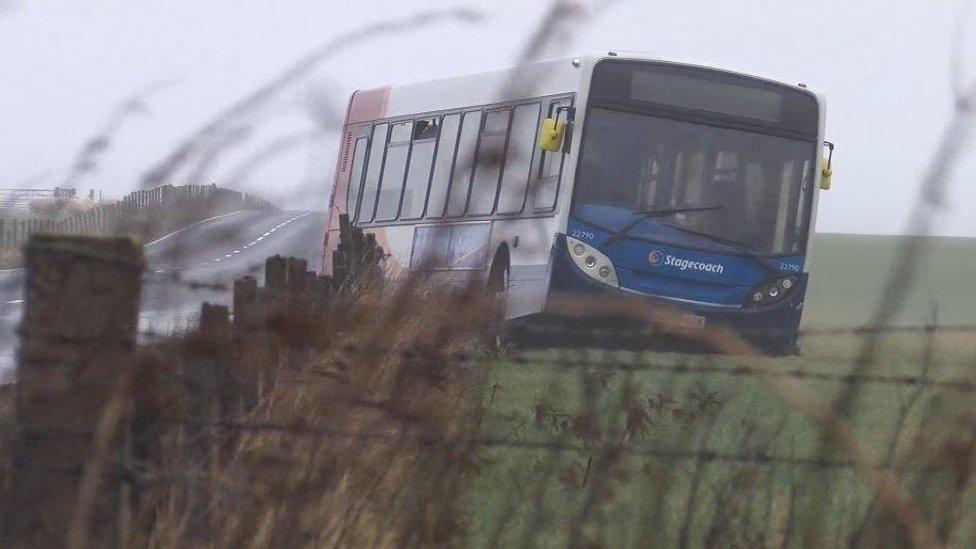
144, 213
20, 199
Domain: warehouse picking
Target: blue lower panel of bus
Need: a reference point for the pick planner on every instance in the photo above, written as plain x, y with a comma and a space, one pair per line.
772, 327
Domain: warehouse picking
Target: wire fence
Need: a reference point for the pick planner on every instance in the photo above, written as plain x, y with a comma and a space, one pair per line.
21, 199
148, 212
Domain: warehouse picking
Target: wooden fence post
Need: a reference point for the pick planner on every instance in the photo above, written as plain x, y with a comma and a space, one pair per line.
295, 271
275, 273
246, 314
77, 342
204, 374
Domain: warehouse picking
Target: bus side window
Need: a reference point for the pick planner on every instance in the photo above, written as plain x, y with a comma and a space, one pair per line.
446, 145
463, 163
377, 149
491, 155
418, 173
356, 176
551, 166
394, 170
518, 159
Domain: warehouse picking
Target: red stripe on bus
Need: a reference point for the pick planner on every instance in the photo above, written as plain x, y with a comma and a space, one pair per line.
368, 105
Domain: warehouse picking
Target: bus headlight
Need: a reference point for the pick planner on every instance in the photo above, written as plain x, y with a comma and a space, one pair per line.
595, 264
771, 292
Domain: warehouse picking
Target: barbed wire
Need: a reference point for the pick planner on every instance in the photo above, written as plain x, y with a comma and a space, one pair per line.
906, 329
756, 457
760, 372
680, 362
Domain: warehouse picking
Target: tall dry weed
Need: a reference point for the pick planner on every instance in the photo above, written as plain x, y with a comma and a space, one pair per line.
362, 431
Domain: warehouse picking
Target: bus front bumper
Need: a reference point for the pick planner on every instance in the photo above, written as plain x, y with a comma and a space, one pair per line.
577, 297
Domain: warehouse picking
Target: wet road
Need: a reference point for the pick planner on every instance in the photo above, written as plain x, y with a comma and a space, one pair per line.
188, 267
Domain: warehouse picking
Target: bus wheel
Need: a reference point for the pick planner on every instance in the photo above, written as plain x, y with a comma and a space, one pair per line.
497, 285
498, 277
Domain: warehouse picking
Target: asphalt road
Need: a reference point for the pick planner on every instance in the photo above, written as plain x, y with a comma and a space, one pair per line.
186, 268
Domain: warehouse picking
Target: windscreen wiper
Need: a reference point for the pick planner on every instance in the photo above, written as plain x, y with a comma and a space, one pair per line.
644, 214
734, 244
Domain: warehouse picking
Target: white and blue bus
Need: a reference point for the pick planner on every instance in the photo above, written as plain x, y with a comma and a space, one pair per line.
611, 175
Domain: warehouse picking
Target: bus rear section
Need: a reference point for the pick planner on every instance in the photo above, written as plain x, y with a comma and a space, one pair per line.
694, 194
448, 177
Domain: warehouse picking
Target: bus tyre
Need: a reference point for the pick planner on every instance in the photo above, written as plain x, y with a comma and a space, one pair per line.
498, 278
497, 285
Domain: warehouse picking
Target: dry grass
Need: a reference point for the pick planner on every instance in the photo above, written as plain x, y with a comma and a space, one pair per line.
358, 432
388, 421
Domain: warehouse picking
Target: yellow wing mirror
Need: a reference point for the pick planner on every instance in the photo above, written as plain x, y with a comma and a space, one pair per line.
551, 135
825, 175
827, 172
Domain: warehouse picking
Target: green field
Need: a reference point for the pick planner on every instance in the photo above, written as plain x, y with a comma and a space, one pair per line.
703, 451
848, 273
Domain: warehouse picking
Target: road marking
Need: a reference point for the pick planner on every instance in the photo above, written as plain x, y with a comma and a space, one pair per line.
14, 302
178, 231
254, 242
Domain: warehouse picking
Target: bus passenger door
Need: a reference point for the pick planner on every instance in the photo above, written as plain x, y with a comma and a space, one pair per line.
531, 234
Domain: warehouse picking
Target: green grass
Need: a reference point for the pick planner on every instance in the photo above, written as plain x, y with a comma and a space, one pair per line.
848, 273
657, 493
745, 416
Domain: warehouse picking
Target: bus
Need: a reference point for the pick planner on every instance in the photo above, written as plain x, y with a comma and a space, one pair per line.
612, 176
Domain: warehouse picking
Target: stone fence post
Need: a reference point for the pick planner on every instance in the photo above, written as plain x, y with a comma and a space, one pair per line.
77, 343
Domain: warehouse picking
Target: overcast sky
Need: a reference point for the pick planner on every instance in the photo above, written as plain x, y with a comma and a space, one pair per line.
66, 66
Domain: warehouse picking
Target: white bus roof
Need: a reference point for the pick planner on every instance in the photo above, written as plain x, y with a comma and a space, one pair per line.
543, 78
